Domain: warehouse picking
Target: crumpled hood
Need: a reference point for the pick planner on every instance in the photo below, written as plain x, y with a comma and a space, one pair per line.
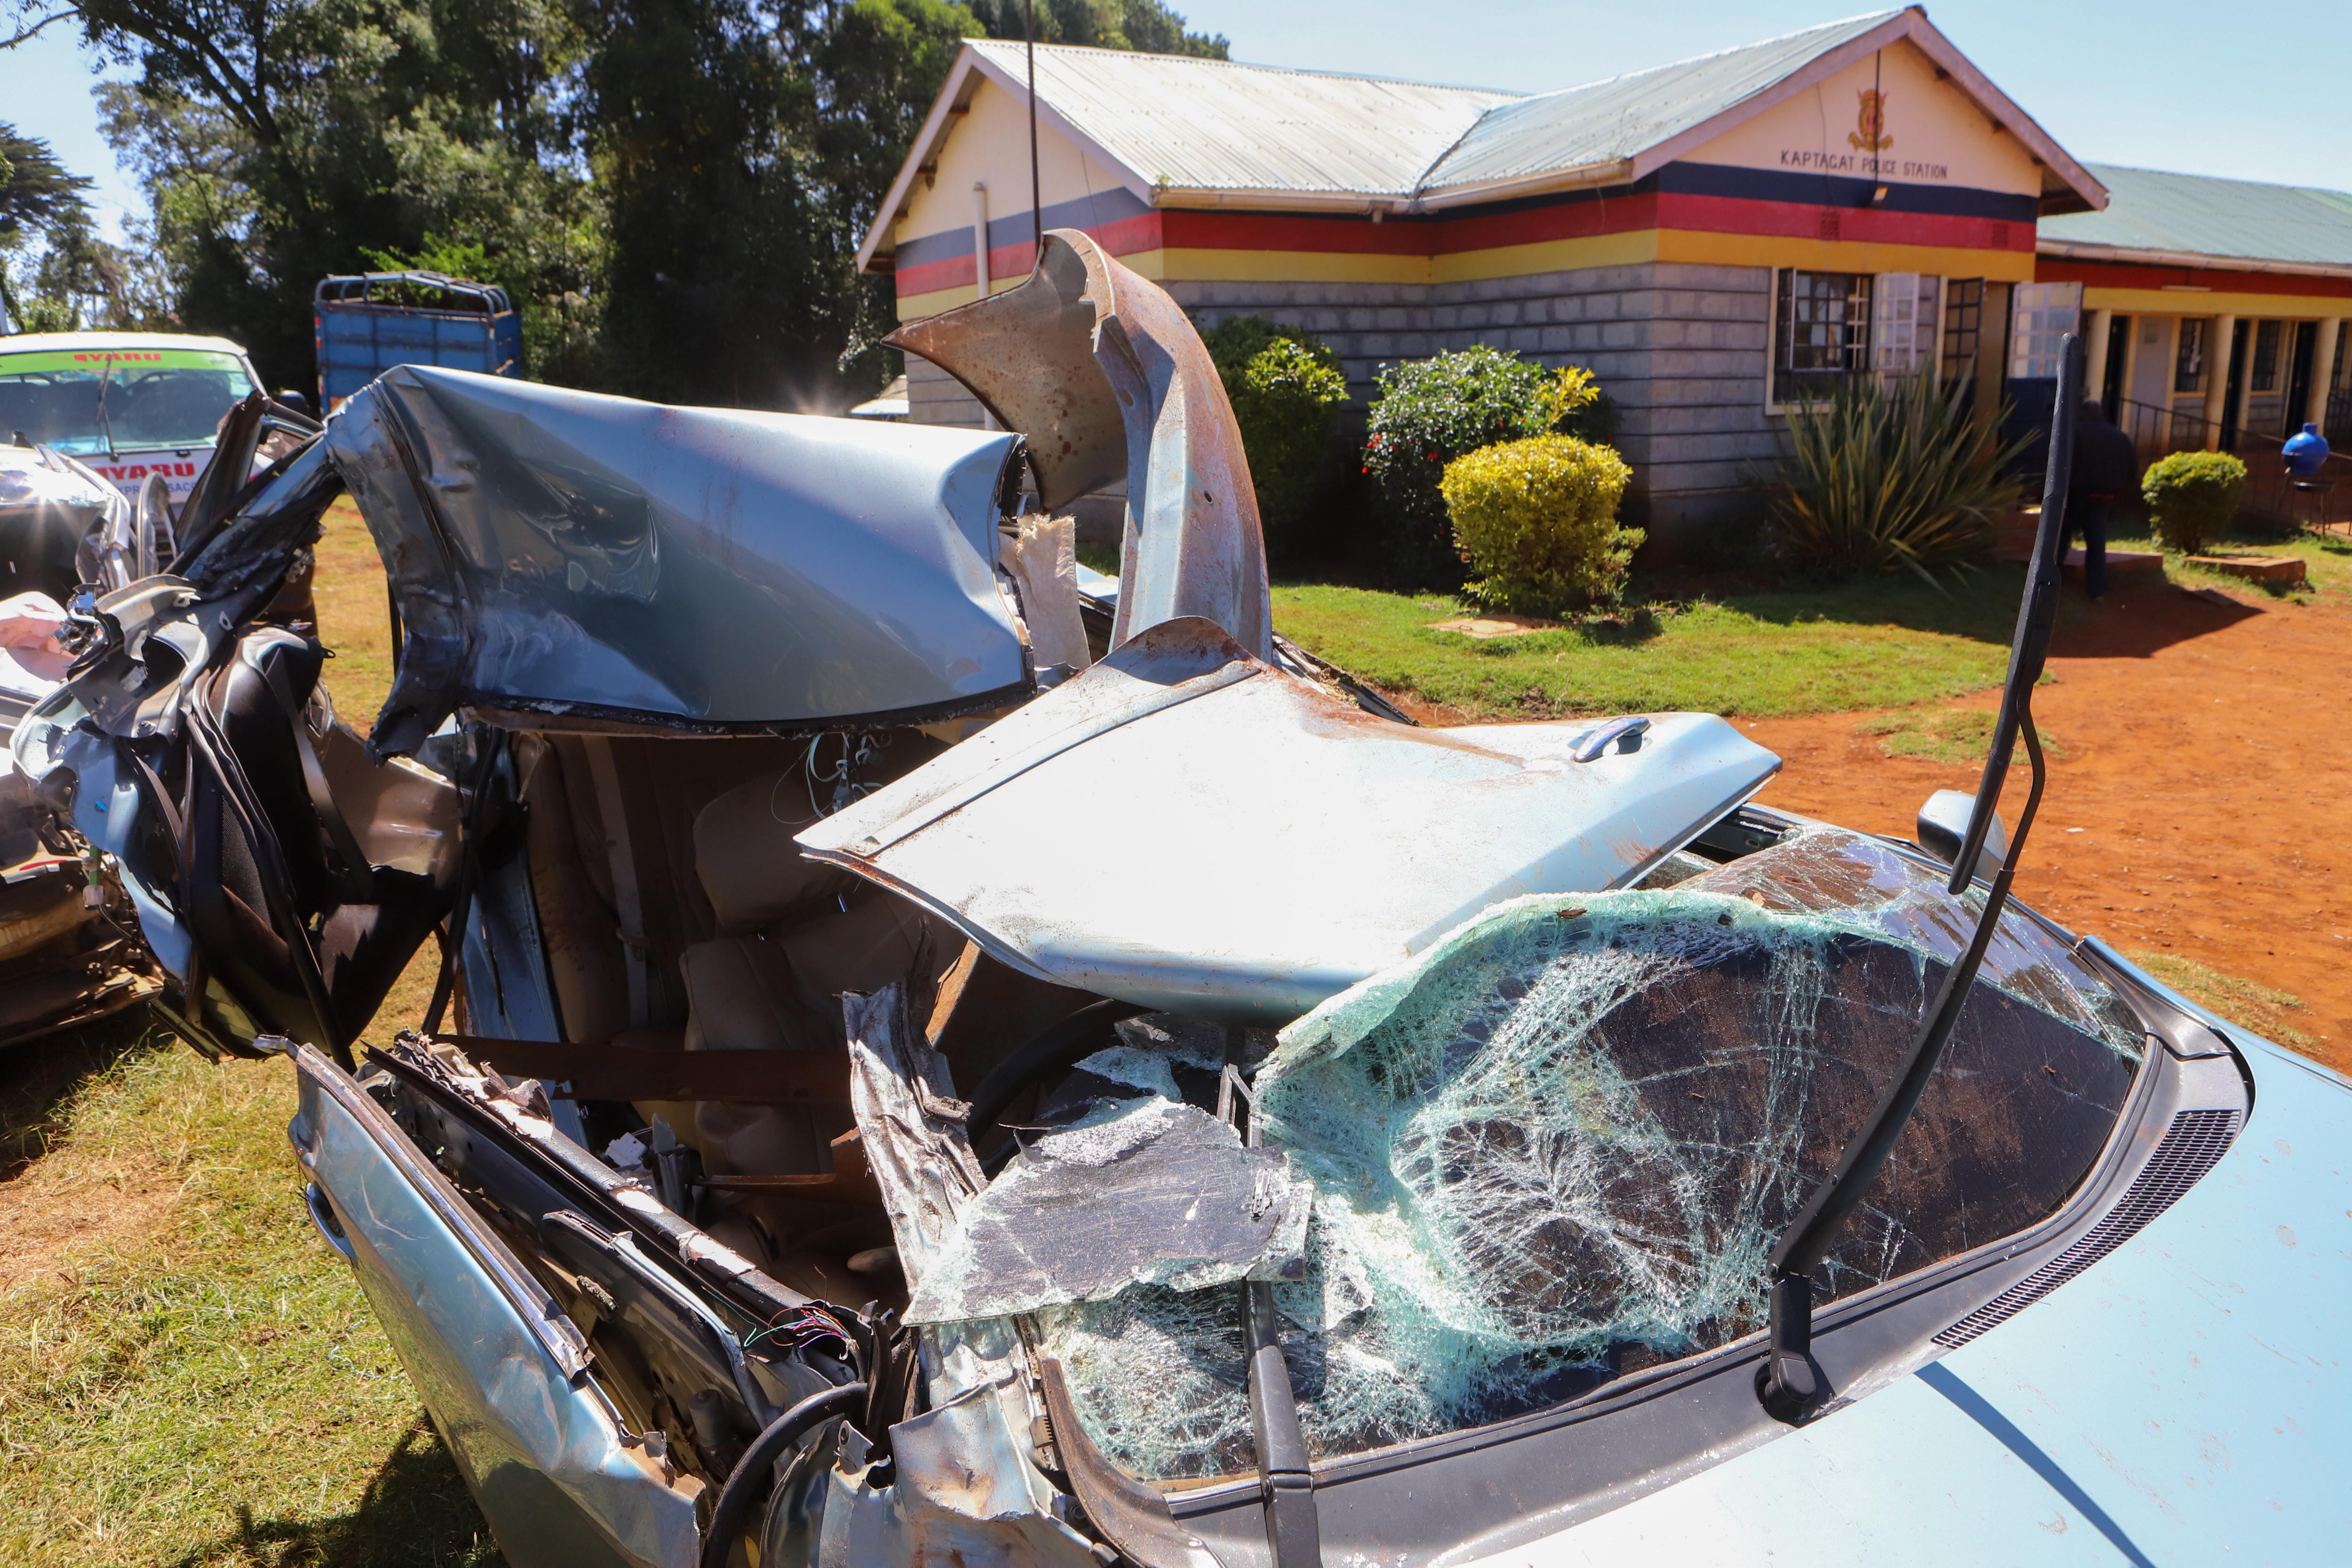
1185, 827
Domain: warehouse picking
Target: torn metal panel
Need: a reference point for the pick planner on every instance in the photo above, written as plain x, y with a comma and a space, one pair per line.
504, 1370
1137, 1192
1275, 844
564, 558
49, 506
911, 1126
1086, 358
1029, 355
960, 1490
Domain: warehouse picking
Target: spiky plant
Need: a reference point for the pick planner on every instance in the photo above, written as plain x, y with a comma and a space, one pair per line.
1887, 477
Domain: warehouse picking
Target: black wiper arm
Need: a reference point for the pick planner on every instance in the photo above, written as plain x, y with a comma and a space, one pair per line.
105, 423
1789, 1384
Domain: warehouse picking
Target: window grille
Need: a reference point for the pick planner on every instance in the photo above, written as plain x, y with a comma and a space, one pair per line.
1823, 334
2046, 312
2188, 362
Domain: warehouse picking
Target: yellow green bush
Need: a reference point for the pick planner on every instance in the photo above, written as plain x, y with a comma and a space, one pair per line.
1536, 520
2193, 496
1433, 411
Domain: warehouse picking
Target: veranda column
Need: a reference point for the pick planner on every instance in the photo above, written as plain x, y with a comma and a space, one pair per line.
2217, 377
2323, 364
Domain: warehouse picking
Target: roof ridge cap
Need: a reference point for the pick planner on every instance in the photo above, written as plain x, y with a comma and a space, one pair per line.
2214, 179
1507, 92
1871, 16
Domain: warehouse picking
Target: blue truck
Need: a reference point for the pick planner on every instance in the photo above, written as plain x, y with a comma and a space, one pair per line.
369, 322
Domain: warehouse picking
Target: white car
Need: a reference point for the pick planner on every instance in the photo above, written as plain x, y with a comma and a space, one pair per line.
127, 404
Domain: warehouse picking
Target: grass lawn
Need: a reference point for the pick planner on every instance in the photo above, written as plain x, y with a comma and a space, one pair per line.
193, 1378
2328, 561
2265, 1009
1878, 644
188, 1376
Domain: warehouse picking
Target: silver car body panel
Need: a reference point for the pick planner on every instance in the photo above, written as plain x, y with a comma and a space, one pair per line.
1254, 845
504, 1371
565, 559
1110, 381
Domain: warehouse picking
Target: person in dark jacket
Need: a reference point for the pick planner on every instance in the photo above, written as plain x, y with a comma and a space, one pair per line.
2106, 470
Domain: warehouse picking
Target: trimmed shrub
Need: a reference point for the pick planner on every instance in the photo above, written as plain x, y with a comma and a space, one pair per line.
1886, 478
1537, 519
2193, 496
1433, 411
1286, 387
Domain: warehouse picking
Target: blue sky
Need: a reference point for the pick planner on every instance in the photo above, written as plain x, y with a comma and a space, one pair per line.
2257, 94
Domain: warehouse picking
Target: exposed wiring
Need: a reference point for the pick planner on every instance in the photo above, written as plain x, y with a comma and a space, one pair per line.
839, 778
805, 1326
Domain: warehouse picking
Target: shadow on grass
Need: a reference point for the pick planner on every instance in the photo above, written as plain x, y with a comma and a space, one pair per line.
40, 1078
415, 1513
2136, 619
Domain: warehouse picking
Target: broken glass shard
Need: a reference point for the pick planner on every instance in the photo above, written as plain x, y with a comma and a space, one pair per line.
1140, 1191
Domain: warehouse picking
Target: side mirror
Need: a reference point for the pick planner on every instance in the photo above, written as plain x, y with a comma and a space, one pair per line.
1944, 824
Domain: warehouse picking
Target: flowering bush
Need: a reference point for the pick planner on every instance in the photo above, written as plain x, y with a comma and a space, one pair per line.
1538, 521
1286, 387
1433, 411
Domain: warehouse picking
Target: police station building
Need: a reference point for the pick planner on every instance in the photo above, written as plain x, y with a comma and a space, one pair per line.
1717, 240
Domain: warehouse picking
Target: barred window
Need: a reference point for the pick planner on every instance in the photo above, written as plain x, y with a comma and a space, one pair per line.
1823, 336
2266, 356
2188, 360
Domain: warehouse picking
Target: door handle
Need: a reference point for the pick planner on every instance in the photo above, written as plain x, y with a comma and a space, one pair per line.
322, 1214
1625, 734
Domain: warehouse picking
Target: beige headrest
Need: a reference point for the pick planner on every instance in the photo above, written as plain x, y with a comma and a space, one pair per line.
744, 851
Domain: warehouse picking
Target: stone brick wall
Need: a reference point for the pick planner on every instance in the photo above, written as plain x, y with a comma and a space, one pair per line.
1680, 348
935, 397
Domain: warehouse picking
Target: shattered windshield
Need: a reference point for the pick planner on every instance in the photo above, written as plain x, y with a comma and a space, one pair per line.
74, 399
1557, 1147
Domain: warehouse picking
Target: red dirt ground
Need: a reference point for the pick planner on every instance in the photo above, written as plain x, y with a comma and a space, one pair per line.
2209, 745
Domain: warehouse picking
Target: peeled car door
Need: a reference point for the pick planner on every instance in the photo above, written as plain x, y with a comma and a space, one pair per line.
502, 1370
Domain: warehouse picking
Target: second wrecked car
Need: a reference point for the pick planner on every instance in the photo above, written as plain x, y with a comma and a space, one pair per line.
947, 1068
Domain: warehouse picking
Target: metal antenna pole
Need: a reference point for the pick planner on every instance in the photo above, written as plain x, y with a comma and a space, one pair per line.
1036, 206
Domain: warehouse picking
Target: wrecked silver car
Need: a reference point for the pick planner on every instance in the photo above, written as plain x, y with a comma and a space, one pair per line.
933, 1065
69, 954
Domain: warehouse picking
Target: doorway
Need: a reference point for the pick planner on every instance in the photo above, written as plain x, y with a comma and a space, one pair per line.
2111, 375
2234, 395
2298, 376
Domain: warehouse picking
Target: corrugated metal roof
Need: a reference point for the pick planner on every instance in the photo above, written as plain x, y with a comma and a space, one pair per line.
1603, 121
2196, 215
1182, 131
1219, 125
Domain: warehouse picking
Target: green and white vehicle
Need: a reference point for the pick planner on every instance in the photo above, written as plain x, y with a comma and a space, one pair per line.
125, 405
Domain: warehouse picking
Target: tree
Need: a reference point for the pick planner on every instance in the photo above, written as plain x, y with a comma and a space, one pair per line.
35, 195
279, 140
1145, 26
671, 190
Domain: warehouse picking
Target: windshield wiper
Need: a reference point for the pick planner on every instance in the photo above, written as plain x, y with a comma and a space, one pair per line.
1789, 1384
105, 423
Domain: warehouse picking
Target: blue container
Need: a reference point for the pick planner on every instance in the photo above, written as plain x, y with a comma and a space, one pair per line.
371, 322
2306, 452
